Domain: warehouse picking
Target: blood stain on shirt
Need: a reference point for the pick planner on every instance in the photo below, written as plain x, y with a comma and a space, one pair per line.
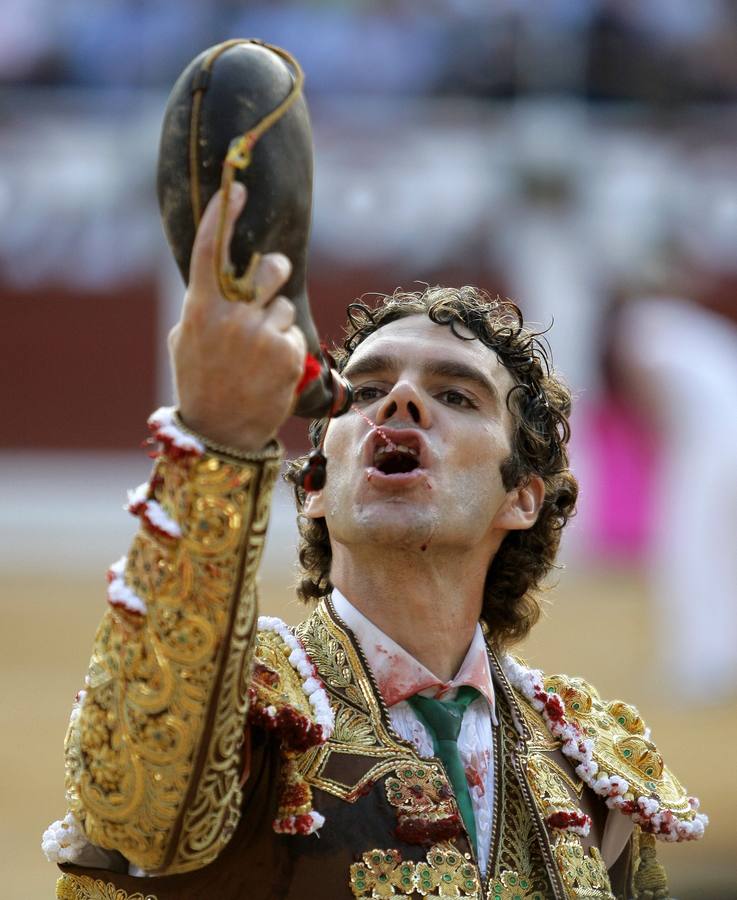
475, 781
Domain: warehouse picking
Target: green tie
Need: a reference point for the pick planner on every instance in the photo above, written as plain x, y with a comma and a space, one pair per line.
443, 718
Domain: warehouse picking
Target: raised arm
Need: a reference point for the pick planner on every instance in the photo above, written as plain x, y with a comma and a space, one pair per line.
153, 750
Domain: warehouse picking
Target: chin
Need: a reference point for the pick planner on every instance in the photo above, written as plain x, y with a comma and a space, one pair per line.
396, 526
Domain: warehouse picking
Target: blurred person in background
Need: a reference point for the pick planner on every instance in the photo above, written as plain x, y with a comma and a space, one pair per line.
390, 745
676, 362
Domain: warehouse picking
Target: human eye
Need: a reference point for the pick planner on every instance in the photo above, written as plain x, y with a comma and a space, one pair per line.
366, 393
457, 398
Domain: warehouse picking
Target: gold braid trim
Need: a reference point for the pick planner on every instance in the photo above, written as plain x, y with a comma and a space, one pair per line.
152, 760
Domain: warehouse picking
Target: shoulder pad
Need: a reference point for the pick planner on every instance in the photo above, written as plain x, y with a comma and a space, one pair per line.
286, 695
622, 743
611, 748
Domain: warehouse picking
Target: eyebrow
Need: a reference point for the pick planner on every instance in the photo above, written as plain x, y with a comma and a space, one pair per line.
444, 368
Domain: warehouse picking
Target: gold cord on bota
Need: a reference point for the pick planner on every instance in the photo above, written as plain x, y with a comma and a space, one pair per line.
238, 158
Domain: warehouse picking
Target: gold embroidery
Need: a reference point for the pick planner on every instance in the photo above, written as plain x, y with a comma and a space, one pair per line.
540, 737
447, 874
626, 716
132, 753
210, 820
621, 746
584, 874
424, 802
577, 695
516, 847
383, 873
420, 789
512, 886
641, 755
311, 760
548, 779
359, 726
274, 679
82, 887
338, 663
352, 728
550, 784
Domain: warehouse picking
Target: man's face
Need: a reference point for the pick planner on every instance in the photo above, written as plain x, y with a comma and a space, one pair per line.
429, 473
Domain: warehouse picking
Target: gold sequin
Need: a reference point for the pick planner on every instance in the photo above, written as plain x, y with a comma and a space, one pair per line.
444, 873
513, 886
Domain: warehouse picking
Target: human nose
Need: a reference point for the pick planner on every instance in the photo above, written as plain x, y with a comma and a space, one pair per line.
404, 401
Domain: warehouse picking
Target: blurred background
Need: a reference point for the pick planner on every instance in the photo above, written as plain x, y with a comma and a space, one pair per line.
575, 155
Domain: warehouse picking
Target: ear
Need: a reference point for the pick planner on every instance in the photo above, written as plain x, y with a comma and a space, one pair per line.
314, 505
522, 506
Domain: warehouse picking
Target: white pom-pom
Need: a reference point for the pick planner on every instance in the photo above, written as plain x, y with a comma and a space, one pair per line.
153, 513
619, 785
63, 840
119, 594
166, 430
137, 496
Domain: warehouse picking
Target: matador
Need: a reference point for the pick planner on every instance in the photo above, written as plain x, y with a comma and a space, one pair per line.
392, 744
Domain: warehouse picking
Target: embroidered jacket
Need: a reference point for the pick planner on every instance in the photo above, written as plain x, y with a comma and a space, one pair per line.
310, 792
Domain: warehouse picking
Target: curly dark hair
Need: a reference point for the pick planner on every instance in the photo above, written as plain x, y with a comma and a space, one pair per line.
540, 406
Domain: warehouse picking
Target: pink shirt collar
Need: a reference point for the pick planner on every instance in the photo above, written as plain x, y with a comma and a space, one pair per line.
399, 675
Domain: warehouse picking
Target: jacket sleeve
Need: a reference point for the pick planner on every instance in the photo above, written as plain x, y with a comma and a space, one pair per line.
153, 752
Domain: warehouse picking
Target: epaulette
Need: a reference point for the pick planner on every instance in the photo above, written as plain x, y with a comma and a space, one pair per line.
611, 750
287, 699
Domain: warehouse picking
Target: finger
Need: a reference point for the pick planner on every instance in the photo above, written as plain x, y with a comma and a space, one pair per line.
203, 284
296, 338
280, 314
173, 338
271, 274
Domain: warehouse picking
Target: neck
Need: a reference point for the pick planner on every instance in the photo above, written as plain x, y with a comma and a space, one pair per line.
429, 605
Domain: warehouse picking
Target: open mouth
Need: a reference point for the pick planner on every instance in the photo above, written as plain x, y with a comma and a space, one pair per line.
398, 459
